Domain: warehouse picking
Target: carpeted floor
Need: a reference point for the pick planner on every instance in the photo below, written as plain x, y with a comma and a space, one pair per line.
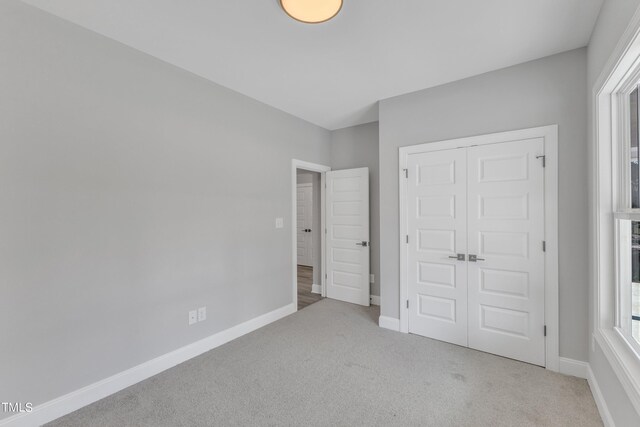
331, 365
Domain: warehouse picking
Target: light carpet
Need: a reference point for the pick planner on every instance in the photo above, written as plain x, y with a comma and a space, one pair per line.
331, 365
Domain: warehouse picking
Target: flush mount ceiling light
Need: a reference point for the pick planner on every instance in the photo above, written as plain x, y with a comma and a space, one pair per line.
311, 11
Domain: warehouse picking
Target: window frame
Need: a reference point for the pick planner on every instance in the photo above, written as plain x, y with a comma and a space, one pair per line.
610, 208
623, 213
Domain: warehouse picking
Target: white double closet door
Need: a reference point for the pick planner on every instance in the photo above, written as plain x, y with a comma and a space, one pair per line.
475, 259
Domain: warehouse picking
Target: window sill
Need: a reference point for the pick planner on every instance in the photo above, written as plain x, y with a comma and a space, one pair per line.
623, 360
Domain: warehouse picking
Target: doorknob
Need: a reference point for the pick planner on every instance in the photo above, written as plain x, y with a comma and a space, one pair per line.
474, 258
459, 257
363, 244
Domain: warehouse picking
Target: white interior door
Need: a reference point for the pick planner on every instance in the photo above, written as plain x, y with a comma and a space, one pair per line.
475, 258
437, 215
304, 213
347, 240
506, 233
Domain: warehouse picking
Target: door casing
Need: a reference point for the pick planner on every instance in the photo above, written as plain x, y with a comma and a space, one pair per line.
550, 136
312, 167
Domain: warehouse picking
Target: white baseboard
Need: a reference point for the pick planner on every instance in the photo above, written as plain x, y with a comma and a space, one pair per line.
375, 300
389, 323
607, 420
75, 400
316, 289
576, 368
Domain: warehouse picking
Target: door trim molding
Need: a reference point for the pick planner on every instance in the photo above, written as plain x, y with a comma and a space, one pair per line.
550, 135
312, 167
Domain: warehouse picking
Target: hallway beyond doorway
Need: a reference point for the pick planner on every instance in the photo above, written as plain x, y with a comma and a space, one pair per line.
305, 281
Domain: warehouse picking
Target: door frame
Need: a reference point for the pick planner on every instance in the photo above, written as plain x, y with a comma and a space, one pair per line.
551, 305
311, 167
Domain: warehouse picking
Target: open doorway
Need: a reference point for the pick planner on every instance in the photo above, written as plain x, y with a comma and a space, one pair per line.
308, 237
308, 245
338, 227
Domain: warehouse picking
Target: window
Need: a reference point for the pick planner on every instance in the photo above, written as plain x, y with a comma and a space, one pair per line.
627, 226
634, 186
615, 236
633, 142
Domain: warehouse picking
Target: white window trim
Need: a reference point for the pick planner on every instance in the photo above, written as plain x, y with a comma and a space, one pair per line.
551, 299
608, 161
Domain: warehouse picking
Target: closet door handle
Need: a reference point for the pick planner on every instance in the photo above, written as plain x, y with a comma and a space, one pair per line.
459, 257
474, 258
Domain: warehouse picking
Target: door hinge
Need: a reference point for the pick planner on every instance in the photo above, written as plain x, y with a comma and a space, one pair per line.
544, 246
544, 160
325, 275
407, 303
406, 173
407, 238
545, 330
325, 230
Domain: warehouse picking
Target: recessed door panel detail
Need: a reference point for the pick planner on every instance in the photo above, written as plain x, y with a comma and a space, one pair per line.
343, 278
437, 274
503, 168
504, 321
438, 308
436, 174
346, 184
511, 244
506, 283
345, 256
346, 232
436, 207
347, 208
504, 207
437, 240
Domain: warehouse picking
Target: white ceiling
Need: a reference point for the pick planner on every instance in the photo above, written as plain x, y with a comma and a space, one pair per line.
333, 74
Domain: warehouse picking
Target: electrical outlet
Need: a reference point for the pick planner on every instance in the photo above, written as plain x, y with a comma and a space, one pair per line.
372, 278
193, 317
202, 314
279, 222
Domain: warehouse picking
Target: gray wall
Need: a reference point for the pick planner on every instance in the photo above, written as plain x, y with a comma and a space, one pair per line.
304, 177
132, 192
543, 92
612, 22
313, 178
356, 147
